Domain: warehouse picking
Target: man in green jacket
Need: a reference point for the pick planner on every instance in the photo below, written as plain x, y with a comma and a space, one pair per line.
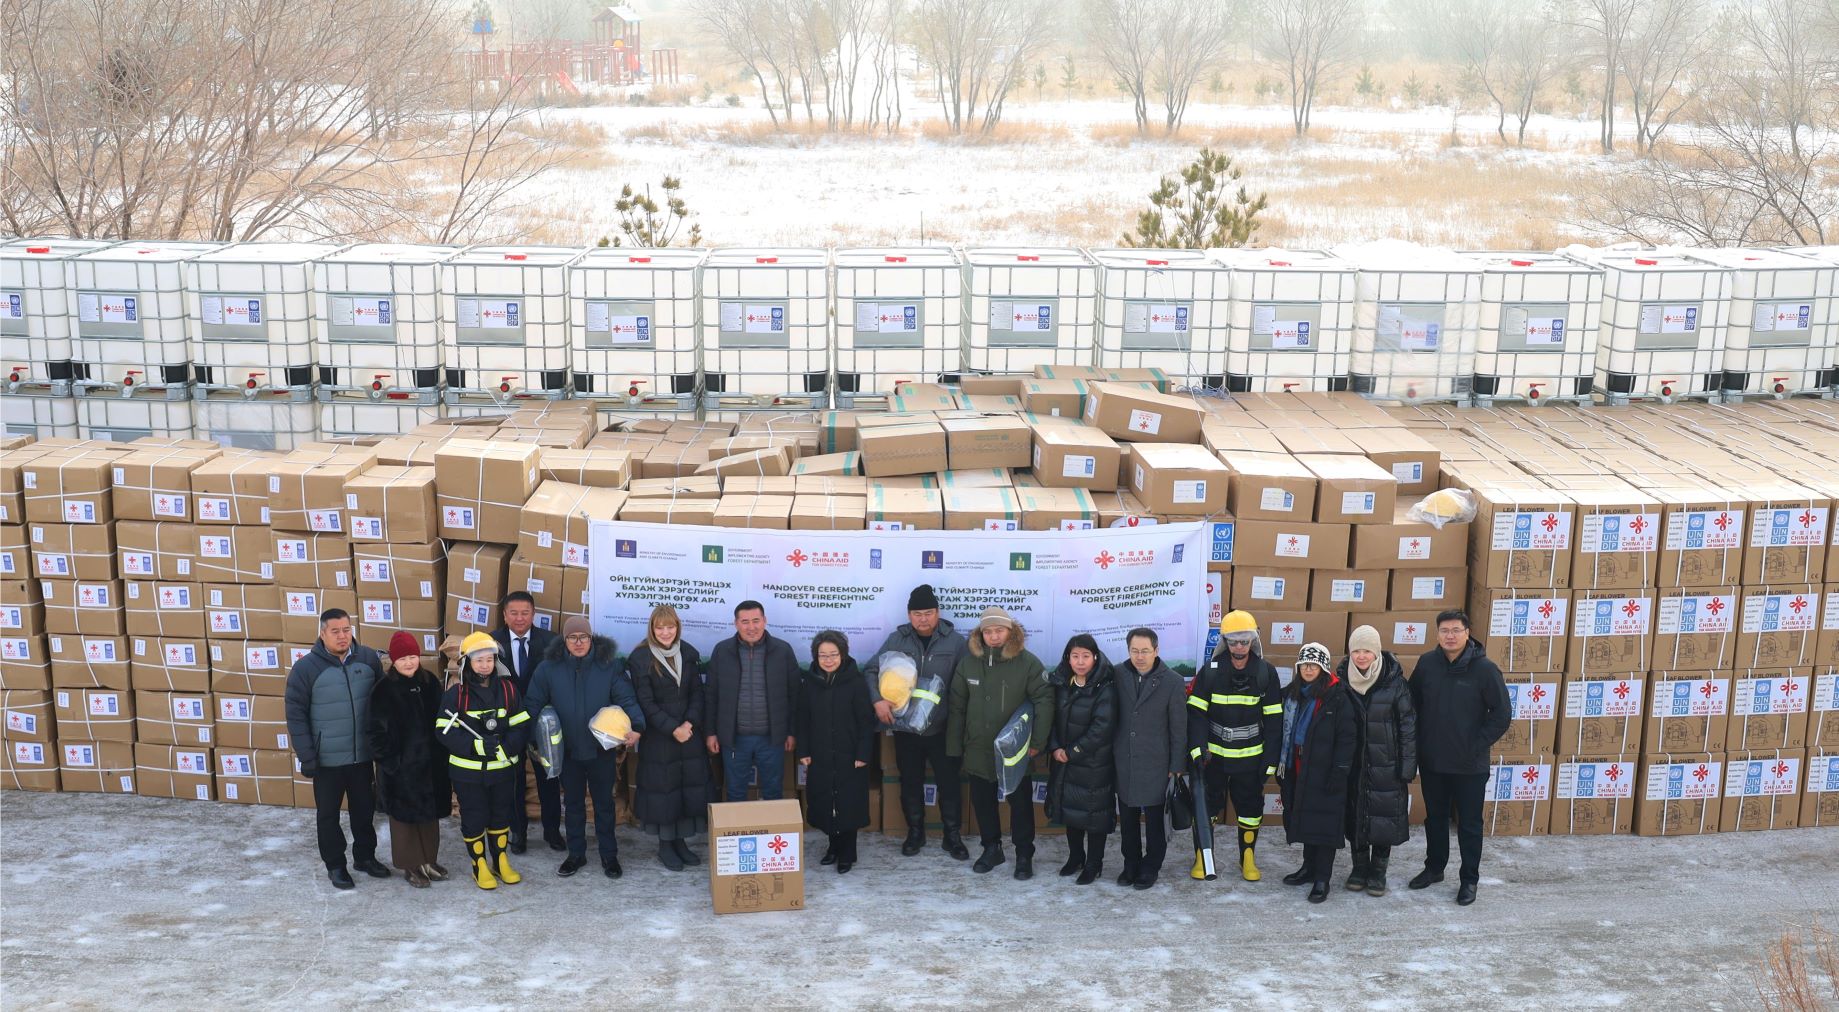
994, 679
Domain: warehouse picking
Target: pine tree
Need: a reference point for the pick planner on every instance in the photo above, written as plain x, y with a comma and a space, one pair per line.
644, 224
1198, 210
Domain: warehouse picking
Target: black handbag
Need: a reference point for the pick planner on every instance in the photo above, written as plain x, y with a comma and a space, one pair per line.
1181, 802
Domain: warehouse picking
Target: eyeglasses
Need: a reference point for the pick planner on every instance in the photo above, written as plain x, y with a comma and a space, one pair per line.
831, 655
578, 637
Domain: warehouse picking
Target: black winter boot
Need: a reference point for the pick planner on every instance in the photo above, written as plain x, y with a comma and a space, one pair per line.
1075, 857
954, 843
1094, 866
1024, 864
668, 856
1301, 876
1376, 872
684, 853
916, 830
991, 857
1357, 879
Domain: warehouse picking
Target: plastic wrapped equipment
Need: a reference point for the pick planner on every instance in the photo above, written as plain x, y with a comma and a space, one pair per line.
1012, 749
1445, 506
610, 726
918, 700
547, 743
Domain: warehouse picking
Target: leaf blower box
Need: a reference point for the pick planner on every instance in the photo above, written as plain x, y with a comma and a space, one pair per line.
756, 859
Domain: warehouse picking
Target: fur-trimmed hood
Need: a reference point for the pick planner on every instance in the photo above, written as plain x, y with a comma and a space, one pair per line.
1018, 638
601, 652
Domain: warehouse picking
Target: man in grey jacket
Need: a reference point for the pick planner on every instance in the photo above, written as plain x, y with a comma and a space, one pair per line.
936, 648
753, 689
328, 716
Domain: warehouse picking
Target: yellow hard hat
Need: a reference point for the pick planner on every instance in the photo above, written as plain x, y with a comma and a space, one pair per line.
1238, 622
1445, 503
896, 689
477, 642
612, 722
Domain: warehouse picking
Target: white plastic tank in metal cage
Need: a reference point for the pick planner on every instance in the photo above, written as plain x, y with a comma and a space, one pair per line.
249, 307
1664, 319
899, 318
632, 314
40, 414
1782, 330
1164, 309
1538, 325
258, 424
125, 419
1029, 306
391, 415
126, 304
34, 324
1415, 320
504, 316
766, 327
377, 322
1292, 320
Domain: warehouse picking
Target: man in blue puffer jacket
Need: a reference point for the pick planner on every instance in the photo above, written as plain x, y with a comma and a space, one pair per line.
328, 716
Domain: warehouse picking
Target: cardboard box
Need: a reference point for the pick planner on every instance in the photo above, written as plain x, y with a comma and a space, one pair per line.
29, 716
75, 607
1065, 398
173, 771
307, 493
1270, 486
159, 608
673, 460
905, 509
761, 512
86, 662
25, 662
1768, 709
756, 856
680, 489
1611, 631
15, 557
22, 608
1075, 456
1762, 789
830, 485
828, 513
410, 572
153, 550
70, 487
302, 606
155, 483
1617, 538
1534, 726
1181, 479
1703, 543
985, 441
1260, 588
1695, 628
1132, 413
1522, 630
174, 718
1595, 794
480, 488
254, 776
596, 467
1290, 544
775, 461
96, 767
1285, 632
233, 554
682, 512
1351, 490
1348, 590
94, 714
1787, 538
1058, 509
72, 551
1688, 712
246, 722
1412, 461
1431, 590
917, 447
169, 665
982, 509
233, 488
1823, 715
1820, 801
380, 618
476, 576
1522, 538
250, 667
1779, 627
312, 560
29, 766
1601, 714
396, 504
1408, 635
405, 451
848, 463
1518, 797
554, 529
1406, 544
242, 611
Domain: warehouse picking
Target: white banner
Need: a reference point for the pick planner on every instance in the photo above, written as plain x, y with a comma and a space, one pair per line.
1055, 583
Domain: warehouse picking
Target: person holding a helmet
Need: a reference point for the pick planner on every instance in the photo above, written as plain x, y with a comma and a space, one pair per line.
484, 728
1235, 726
1321, 734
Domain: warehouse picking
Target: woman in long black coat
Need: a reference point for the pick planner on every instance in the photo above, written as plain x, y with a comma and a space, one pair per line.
671, 793
1320, 738
835, 727
412, 787
1378, 796
1082, 775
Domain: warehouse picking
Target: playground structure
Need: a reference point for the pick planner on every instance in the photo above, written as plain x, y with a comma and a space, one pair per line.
564, 66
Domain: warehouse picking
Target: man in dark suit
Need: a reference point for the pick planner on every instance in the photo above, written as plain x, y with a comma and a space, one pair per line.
523, 645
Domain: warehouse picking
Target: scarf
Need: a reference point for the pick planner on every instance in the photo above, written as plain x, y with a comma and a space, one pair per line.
671, 660
1360, 681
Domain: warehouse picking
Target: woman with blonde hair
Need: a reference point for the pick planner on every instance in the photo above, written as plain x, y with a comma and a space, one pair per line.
672, 788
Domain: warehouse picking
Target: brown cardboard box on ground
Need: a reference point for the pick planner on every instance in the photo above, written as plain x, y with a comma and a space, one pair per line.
242, 611
233, 488
828, 513
1182, 479
1787, 537
1348, 590
1432, 590
682, 512
1075, 456
1270, 486
1522, 538
1286, 544
302, 606
1704, 534
254, 776
228, 554
90, 662
29, 716
982, 509
554, 528
1779, 626
96, 767
307, 492
29, 766
156, 483
1351, 490
828, 484
770, 462
593, 466
1681, 794
249, 668
1518, 798
1058, 509
405, 451
761, 512
1594, 794
83, 608
169, 665
1695, 628
1065, 398
1522, 630
1768, 709
312, 560
94, 714
841, 464
155, 550
755, 484
161, 608
174, 718
1131, 413
412, 572
1261, 588
251, 722
1826, 647
986, 441
1688, 711
1820, 799
1601, 714
72, 551
756, 856
1406, 544
173, 771
916, 447
673, 460
480, 488
1611, 631
394, 504
1617, 538
1762, 789
1534, 726
905, 509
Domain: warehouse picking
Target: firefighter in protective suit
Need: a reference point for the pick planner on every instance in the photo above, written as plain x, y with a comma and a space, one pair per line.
1235, 729
484, 727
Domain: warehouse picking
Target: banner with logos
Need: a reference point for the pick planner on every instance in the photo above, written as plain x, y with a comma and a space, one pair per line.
1055, 583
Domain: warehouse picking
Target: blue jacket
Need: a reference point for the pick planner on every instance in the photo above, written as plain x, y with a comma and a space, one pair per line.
578, 687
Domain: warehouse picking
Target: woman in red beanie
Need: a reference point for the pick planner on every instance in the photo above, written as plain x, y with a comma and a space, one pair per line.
412, 786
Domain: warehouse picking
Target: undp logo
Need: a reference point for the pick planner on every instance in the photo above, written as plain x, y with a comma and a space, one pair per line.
626, 548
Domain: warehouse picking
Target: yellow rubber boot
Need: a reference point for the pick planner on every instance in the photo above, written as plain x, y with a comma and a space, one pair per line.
1198, 872
501, 840
482, 868
1248, 865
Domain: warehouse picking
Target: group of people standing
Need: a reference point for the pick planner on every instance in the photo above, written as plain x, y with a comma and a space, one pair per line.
1125, 741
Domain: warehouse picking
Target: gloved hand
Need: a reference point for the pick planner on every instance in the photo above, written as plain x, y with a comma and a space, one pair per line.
309, 769
492, 746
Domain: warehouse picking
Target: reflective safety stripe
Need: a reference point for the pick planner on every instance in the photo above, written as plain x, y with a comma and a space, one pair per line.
474, 764
443, 723
478, 746
1194, 753
1197, 702
1235, 753
1272, 708
1012, 760
1234, 700
1252, 823
555, 739
926, 694
519, 717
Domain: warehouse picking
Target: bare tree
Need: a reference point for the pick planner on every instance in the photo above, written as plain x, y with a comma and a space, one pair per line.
1608, 23
884, 108
1509, 54
1667, 40
1312, 39
1535, 56
1191, 36
1120, 30
977, 50
750, 32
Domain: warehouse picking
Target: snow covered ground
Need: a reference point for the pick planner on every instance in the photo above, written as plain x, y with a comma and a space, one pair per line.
112, 902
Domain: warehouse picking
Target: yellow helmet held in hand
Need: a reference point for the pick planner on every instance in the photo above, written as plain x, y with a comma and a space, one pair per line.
896, 689
613, 722
1238, 622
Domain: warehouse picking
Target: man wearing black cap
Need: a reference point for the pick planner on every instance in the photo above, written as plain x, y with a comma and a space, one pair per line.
936, 647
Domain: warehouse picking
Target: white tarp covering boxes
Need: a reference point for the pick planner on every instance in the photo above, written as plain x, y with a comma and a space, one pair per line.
756, 856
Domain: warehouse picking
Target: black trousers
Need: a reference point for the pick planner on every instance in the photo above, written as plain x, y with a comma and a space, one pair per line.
1244, 790
912, 754
582, 779
1319, 858
548, 798
1130, 825
1086, 847
1464, 792
989, 817
486, 804
357, 785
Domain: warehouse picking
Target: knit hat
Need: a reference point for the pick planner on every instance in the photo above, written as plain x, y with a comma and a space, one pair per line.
577, 624
995, 616
1316, 654
1364, 638
923, 598
403, 645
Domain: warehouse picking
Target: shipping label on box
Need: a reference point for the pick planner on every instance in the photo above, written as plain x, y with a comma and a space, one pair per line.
1595, 795
1528, 633
1602, 716
1762, 790
1516, 799
1680, 794
1695, 630
1612, 633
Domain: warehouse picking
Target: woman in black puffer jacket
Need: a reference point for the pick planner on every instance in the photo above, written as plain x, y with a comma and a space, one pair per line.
1082, 779
1378, 792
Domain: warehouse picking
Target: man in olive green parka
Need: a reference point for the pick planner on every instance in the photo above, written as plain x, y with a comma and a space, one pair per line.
995, 677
